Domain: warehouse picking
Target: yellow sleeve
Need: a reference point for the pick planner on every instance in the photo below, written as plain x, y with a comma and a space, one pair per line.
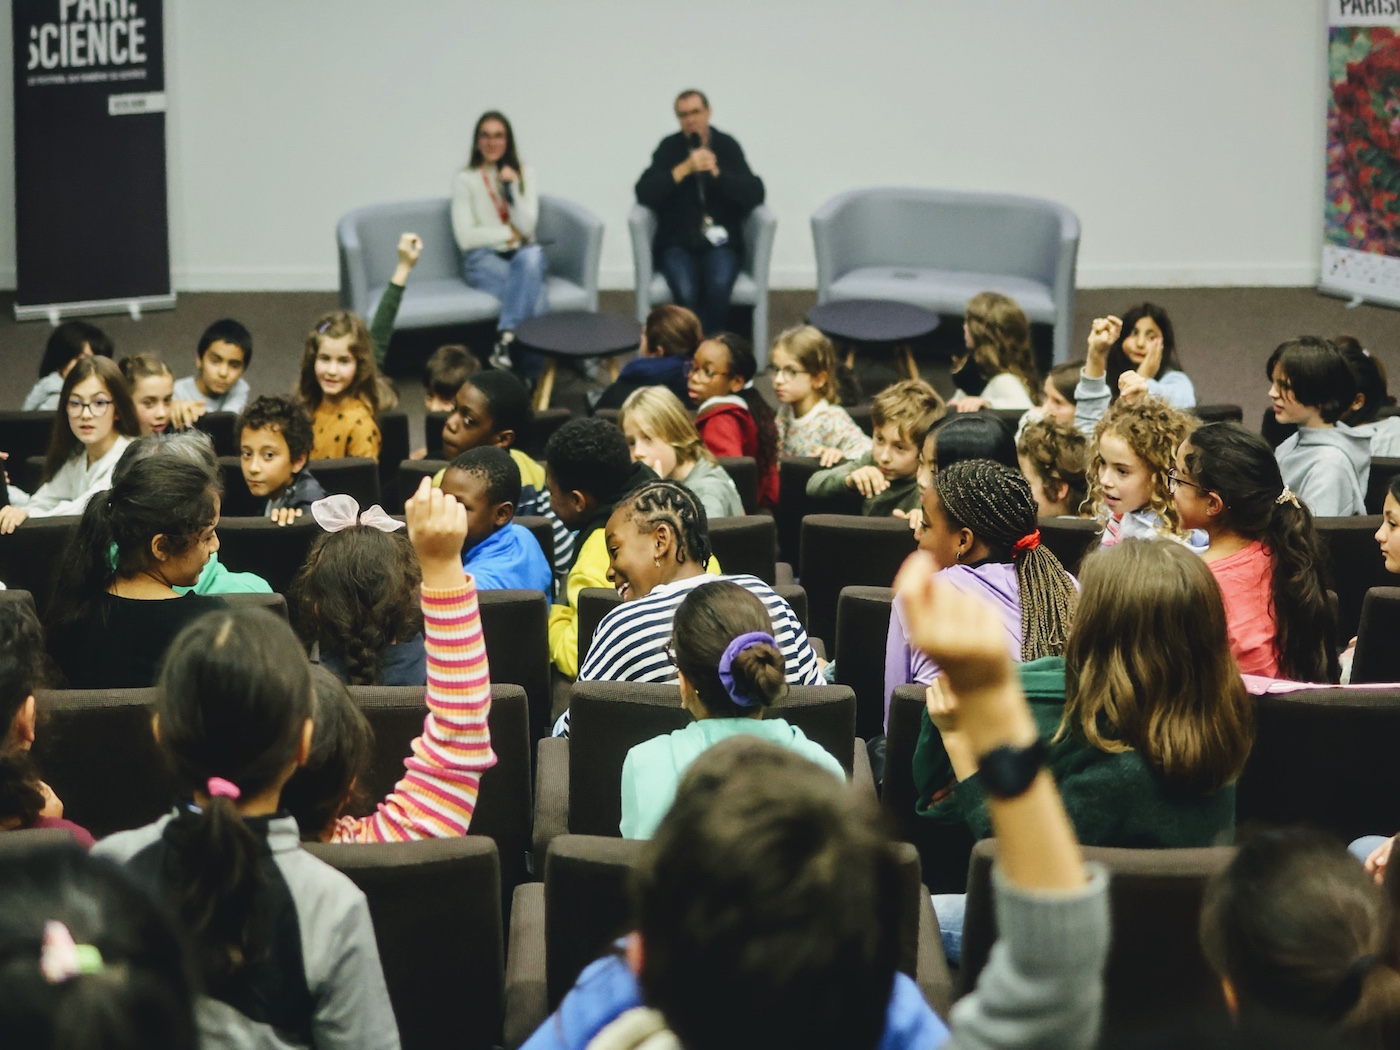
590, 570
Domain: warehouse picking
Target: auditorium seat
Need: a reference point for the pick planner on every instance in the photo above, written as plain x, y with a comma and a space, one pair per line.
222, 428
794, 504
840, 550
436, 294
1384, 470
1156, 977
357, 476
504, 807
750, 289
578, 784
273, 603
237, 501
746, 545
861, 416
938, 248
1071, 539
433, 422
743, 471
561, 925
30, 556
1324, 757
546, 422
274, 552
394, 447
515, 625
436, 910
862, 626
1377, 654
1356, 565
25, 434
943, 847
96, 750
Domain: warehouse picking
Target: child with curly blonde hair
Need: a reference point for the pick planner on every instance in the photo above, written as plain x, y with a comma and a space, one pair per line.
1134, 450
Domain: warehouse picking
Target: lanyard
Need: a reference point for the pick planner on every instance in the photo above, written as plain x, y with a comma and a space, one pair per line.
502, 209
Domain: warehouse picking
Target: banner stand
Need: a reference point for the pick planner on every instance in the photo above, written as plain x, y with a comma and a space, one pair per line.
91, 223
1361, 215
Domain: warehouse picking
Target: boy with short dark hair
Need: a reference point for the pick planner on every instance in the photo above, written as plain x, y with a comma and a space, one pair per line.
493, 408
887, 475
499, 554
588, 468
224, 353
274, 443
444, 373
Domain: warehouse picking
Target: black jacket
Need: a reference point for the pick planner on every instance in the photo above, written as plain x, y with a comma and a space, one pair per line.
729, 196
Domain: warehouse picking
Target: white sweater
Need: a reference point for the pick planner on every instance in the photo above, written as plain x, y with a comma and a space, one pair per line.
475, 222
69, 490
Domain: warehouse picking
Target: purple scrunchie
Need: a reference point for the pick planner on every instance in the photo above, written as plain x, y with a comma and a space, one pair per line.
726, 662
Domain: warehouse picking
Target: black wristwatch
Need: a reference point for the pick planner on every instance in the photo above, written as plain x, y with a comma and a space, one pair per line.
1008, 772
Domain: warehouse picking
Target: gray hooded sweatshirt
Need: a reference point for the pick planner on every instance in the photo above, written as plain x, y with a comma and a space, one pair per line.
1328, 468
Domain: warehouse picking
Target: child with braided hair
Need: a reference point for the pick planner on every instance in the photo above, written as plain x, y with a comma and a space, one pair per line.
658, 548
980, 525
731, 671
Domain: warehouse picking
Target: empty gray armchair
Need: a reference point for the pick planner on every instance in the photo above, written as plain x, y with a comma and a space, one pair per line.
368, 238
939, 248
751, 288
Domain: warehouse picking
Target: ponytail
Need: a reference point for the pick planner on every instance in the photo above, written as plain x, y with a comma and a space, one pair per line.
1240, 468
233, 701
996, 503
85, 570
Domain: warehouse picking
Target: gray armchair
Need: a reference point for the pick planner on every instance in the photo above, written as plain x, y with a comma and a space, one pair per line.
939, 248
367, 240
751, 289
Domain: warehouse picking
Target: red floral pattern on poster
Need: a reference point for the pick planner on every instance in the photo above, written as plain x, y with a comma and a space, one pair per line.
1363, 140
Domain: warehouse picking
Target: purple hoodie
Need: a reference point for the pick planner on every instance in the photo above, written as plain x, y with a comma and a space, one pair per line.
994, 581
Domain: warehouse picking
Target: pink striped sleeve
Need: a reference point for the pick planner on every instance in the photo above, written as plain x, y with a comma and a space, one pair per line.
437, 794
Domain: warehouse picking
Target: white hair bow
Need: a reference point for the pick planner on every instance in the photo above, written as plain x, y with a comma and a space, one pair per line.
341, 511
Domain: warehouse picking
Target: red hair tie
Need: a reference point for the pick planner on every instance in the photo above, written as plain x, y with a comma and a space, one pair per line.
1028, 542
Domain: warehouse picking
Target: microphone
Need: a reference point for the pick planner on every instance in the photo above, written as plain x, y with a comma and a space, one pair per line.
693, 139
508, 191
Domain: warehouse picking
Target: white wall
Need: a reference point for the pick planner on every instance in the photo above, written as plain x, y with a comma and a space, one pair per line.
1186, 134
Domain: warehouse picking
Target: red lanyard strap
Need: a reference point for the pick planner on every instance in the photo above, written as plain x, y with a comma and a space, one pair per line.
502, 209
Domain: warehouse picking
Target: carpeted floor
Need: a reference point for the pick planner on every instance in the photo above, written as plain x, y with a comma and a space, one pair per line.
1224, 335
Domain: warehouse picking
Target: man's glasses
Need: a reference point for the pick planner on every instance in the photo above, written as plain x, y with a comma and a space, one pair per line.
98, 406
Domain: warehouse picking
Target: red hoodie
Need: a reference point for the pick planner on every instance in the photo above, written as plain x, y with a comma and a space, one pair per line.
728, 429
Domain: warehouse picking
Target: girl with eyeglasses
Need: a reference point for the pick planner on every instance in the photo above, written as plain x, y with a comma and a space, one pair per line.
96, 422
811, 421
1264, 551
732, 417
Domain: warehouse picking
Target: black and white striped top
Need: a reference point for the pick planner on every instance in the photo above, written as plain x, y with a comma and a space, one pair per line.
629, 643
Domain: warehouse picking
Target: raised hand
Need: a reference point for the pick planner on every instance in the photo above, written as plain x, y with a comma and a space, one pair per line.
1102, 335
437, 528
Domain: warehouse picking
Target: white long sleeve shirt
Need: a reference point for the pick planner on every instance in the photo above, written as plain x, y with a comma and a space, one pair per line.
76, 482
475, 221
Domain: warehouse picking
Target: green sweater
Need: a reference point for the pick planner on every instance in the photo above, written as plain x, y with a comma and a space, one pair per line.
901, 495
1112, 799
381, 329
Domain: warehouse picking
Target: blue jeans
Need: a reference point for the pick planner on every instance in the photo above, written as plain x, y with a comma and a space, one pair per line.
518, 282
951, 908
702, 281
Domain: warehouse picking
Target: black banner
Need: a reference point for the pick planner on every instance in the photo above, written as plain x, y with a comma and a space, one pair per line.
91, 232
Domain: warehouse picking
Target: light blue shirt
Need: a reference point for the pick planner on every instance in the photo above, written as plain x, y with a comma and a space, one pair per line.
509, 559
236, 400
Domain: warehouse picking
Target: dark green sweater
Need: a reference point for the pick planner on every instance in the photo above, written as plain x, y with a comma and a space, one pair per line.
1112, 799
901, 495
